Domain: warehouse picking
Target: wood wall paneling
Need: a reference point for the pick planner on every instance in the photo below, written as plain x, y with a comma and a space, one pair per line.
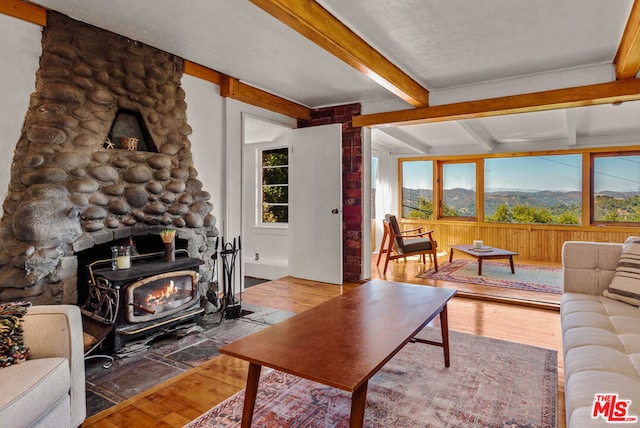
531, 242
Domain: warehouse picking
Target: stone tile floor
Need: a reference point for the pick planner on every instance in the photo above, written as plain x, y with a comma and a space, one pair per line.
170, 354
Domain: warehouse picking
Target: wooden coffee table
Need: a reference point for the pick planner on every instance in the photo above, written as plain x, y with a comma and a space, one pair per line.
495, 253
344, 341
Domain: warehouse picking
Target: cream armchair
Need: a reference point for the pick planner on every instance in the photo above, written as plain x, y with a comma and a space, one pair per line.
47, 390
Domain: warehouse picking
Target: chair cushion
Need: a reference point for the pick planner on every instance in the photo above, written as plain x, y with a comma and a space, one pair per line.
415, 244
30, 389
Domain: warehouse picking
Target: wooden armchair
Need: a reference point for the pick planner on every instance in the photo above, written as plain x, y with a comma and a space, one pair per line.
397, 244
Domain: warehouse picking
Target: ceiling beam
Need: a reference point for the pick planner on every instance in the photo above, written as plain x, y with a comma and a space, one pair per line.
627, 61
602, 93
202, 72
25, 11
479, 133
572, 136
406, 138
318, 25
233, 88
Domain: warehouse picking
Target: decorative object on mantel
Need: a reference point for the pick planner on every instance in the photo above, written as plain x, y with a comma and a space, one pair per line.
129, 143
120, 257
108, 144
168, 239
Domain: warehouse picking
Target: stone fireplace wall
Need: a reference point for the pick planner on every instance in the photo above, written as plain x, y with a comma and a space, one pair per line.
68, 190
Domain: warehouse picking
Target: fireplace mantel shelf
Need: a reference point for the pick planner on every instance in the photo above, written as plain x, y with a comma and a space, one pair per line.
143, 269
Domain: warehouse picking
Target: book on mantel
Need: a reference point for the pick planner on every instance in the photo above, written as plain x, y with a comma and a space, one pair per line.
482, 249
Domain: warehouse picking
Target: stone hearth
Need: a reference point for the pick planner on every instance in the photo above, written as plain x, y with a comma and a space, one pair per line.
69, 190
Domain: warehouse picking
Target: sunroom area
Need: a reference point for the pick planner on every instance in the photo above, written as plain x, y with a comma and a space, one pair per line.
524, 182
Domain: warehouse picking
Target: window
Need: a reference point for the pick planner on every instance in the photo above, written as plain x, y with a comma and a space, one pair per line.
417, 189
458, 189
275, 185
567, 188
616, 188
533, 189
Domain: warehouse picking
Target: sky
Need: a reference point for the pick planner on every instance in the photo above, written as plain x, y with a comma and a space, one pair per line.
558, 173
623, 173
417, 175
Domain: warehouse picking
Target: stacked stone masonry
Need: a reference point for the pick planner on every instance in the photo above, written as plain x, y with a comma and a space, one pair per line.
68, 191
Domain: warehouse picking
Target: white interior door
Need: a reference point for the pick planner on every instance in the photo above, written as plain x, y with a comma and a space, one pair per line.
315, 217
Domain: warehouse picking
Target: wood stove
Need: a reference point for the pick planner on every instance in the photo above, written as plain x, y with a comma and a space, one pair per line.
149, 296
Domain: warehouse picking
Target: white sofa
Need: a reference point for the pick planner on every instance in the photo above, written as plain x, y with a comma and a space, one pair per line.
47, 390
600, 336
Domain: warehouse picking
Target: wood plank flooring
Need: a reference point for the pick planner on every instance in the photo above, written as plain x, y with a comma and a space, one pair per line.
181, 399
406, 271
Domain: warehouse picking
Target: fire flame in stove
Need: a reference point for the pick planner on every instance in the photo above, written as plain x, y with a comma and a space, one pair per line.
161, 296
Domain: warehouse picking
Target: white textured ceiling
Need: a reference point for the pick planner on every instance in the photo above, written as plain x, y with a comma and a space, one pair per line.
457, 49
460, 42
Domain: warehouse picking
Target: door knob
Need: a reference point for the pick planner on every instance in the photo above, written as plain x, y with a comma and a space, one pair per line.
335, 211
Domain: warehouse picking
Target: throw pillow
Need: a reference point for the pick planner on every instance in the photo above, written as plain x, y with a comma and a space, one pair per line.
12, 349
625, 285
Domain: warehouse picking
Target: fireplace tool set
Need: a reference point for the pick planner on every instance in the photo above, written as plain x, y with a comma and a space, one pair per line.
230, 306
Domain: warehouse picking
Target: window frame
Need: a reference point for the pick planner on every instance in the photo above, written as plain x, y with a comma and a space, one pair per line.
260, 202
440, 186
549, 158
592, 177
402, 184
588, 156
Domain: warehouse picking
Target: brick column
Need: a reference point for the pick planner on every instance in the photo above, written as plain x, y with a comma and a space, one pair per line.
351, 182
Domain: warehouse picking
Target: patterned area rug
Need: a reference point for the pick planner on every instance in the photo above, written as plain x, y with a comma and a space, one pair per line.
491, 383
498, 274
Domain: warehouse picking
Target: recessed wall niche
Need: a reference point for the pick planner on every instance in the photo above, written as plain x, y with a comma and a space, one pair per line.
129, 123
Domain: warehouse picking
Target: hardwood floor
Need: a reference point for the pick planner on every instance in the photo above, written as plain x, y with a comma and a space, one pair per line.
181, 399
402, 271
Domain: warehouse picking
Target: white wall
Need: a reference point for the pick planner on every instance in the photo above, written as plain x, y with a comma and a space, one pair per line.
270, 246
216, 142
217, 150
387, 178
20, 50
205, 115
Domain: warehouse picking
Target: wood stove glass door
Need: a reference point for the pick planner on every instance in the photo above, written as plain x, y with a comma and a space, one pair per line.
161, 295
